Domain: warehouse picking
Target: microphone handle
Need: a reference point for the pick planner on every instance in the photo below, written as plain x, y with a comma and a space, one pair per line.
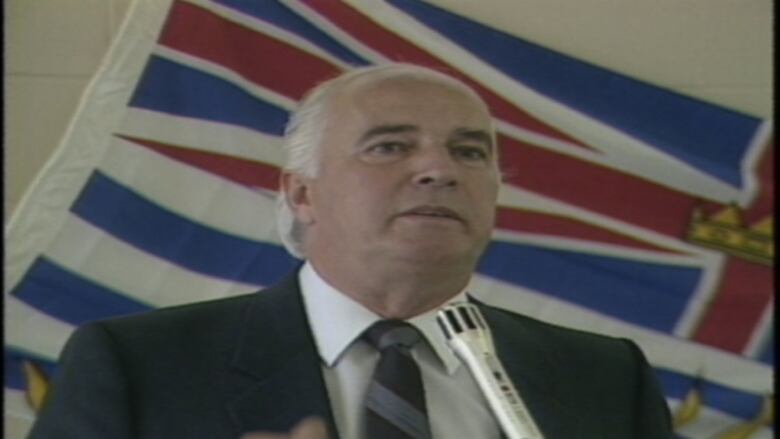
512, 414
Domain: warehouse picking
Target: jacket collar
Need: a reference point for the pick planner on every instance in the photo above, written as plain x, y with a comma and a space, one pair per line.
530, 364
276, 370
277, 374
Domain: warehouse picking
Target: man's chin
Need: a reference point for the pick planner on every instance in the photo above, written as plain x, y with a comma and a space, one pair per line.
432, 250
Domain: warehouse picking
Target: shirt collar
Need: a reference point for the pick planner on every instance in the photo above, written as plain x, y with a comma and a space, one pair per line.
337, 320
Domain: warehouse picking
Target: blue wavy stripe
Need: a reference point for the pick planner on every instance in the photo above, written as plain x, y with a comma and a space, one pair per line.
69, 297
128, 216
735, 402
274, 12
651, 295
172, 88
710, 138
648, 294
14, 374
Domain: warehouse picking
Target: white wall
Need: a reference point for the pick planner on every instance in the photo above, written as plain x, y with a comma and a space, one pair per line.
52, 49
717, 50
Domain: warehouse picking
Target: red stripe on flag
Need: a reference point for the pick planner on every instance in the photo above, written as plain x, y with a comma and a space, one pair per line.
367, 32
244, 172
553, 225
596, 188
256, 174
746, 288
745, 292
257, 57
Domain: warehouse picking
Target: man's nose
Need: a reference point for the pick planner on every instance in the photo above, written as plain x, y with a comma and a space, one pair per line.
435, 167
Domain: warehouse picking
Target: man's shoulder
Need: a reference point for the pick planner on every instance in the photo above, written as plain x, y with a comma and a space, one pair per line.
202, 325
195, 312
511, 322
204, 319
519, 335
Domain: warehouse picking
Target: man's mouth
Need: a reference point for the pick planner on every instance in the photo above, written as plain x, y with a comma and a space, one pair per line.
433, 212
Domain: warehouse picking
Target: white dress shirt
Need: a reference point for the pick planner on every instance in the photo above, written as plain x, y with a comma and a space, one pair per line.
456, 408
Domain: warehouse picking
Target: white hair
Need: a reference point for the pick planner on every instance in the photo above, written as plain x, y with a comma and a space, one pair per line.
306, 127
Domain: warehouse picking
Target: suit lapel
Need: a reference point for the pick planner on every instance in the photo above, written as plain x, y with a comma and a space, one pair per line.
276, 377
533, 371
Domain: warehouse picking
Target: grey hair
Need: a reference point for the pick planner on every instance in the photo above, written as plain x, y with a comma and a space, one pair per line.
306, 127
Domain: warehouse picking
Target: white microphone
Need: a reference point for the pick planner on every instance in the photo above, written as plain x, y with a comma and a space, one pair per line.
470, 339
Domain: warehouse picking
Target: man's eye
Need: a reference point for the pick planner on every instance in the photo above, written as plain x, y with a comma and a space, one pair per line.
385, 152
470, 153
388, 148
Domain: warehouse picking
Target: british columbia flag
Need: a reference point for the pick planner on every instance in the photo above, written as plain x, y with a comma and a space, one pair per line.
627, 209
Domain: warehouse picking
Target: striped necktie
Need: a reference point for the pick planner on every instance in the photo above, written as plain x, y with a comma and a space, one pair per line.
395, 400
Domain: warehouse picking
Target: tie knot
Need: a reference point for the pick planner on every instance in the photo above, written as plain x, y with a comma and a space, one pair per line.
391, 333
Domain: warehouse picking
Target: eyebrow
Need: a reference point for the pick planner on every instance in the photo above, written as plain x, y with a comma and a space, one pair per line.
387, 129
476, 135
460, 133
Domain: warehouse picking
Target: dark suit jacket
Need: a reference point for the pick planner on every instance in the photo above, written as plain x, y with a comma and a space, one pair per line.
221, 368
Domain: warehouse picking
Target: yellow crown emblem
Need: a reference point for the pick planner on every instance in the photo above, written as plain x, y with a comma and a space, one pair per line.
725, 230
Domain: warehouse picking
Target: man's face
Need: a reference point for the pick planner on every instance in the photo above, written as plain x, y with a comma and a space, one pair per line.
407, 170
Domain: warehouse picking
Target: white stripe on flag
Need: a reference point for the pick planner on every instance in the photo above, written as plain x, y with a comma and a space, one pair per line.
202, 135
19, 415
36, 332
192, 193
758, 146
107, 261
763, 331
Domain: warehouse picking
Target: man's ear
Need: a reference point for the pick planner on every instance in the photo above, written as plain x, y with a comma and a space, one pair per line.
297, 192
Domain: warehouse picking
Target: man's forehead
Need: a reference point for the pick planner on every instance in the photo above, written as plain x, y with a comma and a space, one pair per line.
407, 87
376, 106
464, 132
404, 100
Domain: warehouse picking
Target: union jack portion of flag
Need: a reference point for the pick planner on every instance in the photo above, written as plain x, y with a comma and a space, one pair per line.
627, 209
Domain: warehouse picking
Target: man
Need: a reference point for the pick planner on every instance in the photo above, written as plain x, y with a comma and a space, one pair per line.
389, 195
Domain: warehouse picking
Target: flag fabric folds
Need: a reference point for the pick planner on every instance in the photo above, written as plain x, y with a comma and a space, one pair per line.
627, 209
